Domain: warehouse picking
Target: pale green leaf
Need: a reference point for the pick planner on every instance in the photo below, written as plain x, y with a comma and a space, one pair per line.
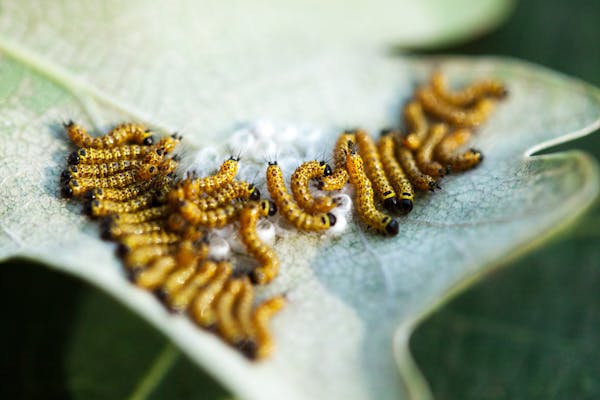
353, 300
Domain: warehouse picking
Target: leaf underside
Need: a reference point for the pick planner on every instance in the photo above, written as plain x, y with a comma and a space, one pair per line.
355, 299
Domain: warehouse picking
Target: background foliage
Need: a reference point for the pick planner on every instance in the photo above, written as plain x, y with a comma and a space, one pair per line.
526, 332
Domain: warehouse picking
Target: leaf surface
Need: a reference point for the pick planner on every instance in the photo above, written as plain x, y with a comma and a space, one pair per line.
354, 299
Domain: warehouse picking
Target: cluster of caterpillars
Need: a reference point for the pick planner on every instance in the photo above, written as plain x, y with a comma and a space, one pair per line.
161, 225
438, 123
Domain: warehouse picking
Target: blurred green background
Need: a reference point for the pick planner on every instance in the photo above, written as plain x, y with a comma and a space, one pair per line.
526, 331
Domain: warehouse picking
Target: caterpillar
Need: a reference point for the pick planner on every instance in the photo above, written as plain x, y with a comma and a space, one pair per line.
416, 124
87, 155
418, 179
202, 306
168, 143
160, 186
387, 149
374, 218
261, 317
339, 176
160, 269
289, 209
424, 156
454, 115
124, 133
178, 278
216, 218
112, 230
269, 262
228, 324
152, 196
178, 224
129, 242
103, 208
469, 95
235, 190
139, 257
299, 185
148, 214
444, 152
180, 299
375, 172
467, 160
98, 170
155, 163
80, 186
227, 172
243, 314
151, 277
167, 280
100, 156
93, 186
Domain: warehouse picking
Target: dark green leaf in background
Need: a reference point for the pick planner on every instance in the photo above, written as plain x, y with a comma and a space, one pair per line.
531, 331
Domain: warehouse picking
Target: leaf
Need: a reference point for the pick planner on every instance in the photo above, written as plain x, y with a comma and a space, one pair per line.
348, 296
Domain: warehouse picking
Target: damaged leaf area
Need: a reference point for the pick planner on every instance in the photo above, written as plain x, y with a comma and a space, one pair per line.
353, 299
